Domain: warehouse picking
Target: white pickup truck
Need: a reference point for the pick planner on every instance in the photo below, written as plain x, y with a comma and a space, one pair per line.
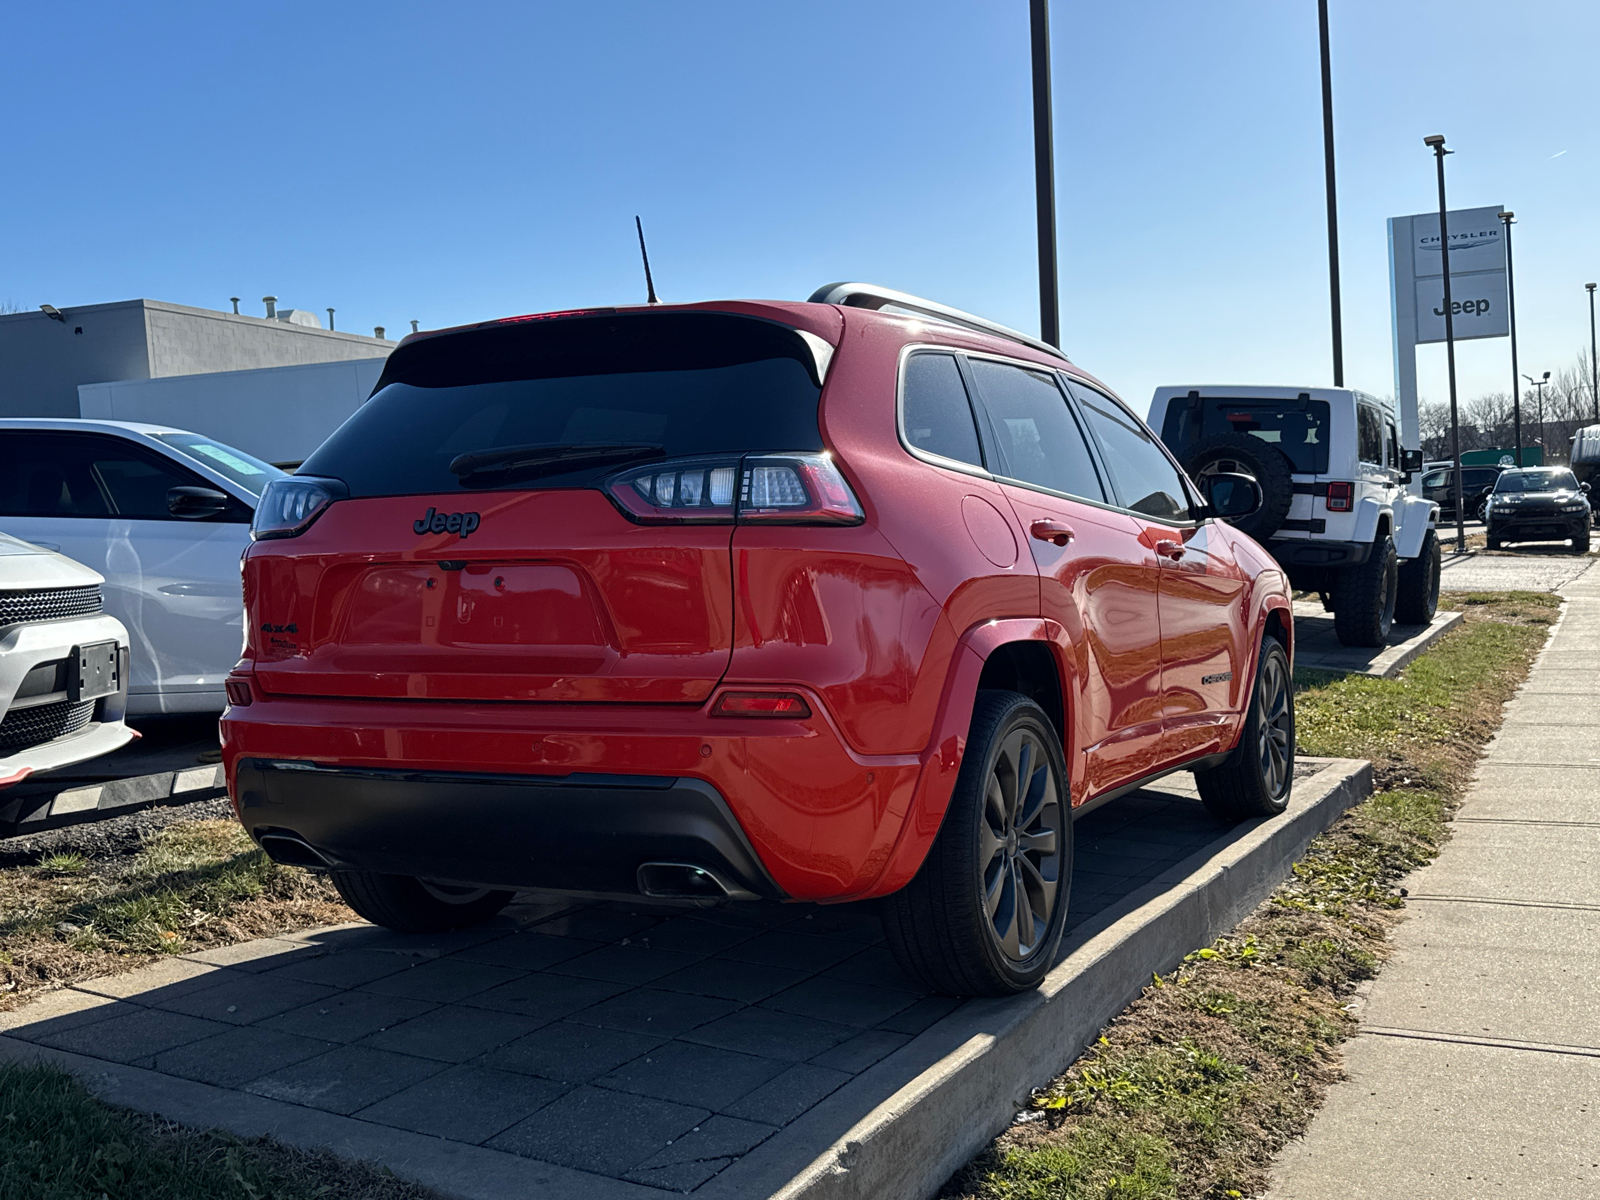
1335, 513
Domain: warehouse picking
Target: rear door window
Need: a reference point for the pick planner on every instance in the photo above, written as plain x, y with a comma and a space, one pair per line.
1144, 477
1034, 436
664, 385
1297, 428
1369, 434
935, 411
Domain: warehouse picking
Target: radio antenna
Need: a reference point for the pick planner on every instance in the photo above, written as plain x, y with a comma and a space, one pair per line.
649, 284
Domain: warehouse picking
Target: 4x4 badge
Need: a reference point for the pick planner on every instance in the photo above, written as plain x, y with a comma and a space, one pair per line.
438, 522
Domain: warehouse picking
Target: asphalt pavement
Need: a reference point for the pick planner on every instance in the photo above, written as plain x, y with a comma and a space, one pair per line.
1477, 1069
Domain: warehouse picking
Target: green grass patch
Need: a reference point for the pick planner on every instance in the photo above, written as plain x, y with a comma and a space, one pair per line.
58, 1142
1190, 1093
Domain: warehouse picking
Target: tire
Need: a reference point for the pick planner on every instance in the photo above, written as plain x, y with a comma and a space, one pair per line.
1580, 541
1248, 456
408, 905
957, 927
1363, 611
1417, 596
1492, 543
1256, 779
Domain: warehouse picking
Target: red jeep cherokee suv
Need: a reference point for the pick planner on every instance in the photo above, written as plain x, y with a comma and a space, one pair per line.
861, 597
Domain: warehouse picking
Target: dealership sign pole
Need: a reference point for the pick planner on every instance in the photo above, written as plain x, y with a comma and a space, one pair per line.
1416, 293
1436, 141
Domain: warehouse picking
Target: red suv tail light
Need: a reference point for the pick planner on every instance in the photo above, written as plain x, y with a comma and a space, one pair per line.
288, 506
1341, 497
785, 489
761, 704
239, 692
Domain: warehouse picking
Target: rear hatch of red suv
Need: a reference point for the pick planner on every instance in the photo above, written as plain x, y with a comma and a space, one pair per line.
538, 510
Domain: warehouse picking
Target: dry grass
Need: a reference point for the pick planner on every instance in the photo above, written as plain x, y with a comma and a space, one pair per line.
1192, 1090
188, 887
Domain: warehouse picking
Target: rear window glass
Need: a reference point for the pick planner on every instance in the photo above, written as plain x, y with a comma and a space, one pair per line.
672, 384
1298, 428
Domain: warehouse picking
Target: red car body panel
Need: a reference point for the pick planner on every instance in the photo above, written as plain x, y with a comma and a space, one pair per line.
563, 637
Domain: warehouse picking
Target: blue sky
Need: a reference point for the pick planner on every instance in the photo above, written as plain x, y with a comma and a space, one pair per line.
454, 162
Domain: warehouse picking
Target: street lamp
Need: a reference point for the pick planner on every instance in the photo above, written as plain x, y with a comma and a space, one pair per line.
1435, 142
1509, 219
1594, 369
1044, 174
1541, 384
1333, 202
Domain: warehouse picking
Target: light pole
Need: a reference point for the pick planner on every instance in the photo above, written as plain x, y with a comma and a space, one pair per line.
1509, 219
1541, 384
1044, 174
1594, 368
1435, 142
1333, 203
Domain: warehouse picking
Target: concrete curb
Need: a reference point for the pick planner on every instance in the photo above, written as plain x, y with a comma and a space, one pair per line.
968, 1074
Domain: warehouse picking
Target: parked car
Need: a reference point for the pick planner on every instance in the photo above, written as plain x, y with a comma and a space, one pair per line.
63, 665
1540, 504
1336, 514
163, 515
737, 600
1476, 484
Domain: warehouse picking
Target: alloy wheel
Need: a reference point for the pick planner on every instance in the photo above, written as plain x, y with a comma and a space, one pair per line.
1020, 844
1275, 736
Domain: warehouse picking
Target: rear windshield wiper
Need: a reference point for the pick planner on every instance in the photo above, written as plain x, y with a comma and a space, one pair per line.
546, 457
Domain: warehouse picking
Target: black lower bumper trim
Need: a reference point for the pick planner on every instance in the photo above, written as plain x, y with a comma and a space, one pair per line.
582, 833
1318, 552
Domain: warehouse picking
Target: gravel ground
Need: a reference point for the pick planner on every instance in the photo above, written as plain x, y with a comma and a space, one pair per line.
114, 837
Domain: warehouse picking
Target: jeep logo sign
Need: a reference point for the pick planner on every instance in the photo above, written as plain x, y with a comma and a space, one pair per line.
438, 522
1477, 306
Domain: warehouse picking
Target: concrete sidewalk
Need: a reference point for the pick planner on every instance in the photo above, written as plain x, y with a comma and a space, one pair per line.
1477, 1069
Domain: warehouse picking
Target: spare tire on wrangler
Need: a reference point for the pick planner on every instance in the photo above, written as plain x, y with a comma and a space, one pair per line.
1245, 455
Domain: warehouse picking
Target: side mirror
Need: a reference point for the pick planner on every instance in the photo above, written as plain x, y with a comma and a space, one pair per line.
1411, 461
1584, 488
1231, 496
195, 503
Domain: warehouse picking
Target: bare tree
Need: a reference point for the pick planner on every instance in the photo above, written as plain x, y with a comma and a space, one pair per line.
11, 306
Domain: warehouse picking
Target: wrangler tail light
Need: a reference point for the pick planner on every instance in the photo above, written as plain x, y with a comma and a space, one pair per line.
761, 704
1341, 497
785, 489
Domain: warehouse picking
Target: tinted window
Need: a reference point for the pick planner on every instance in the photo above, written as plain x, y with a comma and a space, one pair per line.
1392, 445
1479, 479
1436, 479
71, 475
1297, 428
688, 383
248, 472
1369, 434
936, 412
1144, 477
1036, 438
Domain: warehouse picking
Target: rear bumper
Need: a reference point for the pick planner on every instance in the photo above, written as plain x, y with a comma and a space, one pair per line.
582, 832
1298, 552
570, 796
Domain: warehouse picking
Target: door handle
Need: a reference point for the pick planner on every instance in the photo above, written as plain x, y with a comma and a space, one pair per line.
1052, 531
1172, 550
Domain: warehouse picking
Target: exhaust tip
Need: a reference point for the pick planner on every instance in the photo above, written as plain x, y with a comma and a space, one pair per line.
682, 881
292, 850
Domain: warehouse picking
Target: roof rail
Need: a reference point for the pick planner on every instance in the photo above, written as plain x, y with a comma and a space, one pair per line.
870, 295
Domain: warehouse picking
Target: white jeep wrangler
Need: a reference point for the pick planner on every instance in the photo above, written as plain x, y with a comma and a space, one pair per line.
1335, 512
